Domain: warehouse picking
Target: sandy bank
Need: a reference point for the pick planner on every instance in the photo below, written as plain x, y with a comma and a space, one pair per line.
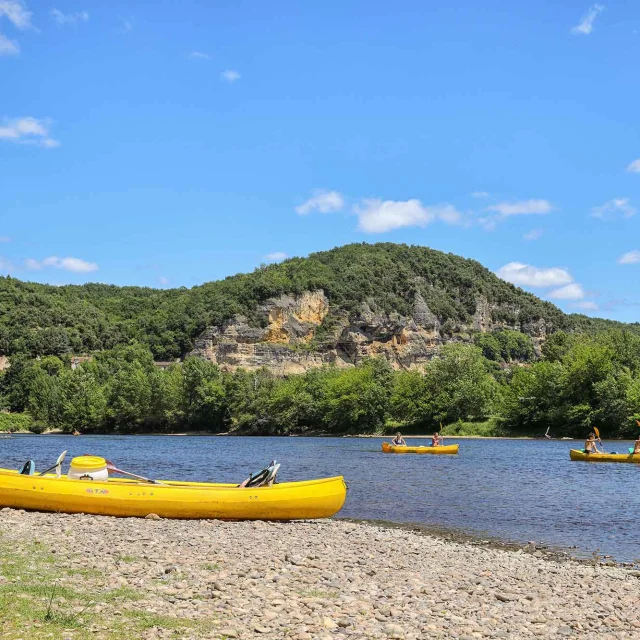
306, 580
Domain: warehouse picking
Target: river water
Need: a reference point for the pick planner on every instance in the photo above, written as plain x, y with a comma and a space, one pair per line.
516, 490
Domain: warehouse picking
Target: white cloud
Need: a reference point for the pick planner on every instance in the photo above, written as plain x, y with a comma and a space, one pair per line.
63, 19
479, 194
75, 265
527, 275
631, 257
230, 75
17, 13
5, 265
8, 47
198, 55
585, 305
378, 216
522, 207
585, 26
276, 256
573, 291
322, 201
634, 167
534, 234
163, 281
609, 209
27, 131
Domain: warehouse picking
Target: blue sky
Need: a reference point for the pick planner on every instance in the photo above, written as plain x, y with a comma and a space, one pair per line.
168, 144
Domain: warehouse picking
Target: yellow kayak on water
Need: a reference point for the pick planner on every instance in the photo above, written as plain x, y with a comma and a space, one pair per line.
443, 449
578, 454
122, 497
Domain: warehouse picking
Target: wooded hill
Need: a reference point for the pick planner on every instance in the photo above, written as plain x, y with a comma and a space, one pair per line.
37, 319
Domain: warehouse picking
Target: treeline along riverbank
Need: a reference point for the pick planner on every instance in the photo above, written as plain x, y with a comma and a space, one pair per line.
579, 382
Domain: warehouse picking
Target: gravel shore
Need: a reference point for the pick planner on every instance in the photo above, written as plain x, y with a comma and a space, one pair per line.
300, 580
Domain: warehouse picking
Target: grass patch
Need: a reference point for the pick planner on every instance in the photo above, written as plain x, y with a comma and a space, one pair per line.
210, 566
126, 558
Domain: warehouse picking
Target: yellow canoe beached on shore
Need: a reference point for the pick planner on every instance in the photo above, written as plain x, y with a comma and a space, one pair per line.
122, 497
578, 454
443, 449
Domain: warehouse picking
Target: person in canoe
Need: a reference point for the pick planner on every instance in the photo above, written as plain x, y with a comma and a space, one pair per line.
437, 440
636, 446
398, 441
590, 445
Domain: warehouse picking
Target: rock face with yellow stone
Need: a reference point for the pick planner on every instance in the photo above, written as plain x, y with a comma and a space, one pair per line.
291, 334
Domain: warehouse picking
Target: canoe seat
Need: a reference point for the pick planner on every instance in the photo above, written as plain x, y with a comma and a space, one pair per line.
28, 468
266, 477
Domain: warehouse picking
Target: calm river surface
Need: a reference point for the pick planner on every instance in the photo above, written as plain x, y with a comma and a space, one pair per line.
517, 490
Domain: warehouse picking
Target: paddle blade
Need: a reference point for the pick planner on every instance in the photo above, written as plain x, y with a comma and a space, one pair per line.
596, 431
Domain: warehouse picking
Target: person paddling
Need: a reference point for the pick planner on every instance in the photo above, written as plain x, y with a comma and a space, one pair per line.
636, 446
590, 445
398, 441
437, 439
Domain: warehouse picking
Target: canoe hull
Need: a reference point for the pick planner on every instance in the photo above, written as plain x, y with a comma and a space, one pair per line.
443, 450
576, 454
124, 498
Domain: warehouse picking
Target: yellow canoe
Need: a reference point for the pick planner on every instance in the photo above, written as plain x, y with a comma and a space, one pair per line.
578, 454
443, 449
130, 498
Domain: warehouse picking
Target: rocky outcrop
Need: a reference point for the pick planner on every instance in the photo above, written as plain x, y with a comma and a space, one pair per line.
297, 333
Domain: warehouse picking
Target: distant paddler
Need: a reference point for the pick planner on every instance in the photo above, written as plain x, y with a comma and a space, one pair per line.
398, 441
437, 440
636, 446
590, 445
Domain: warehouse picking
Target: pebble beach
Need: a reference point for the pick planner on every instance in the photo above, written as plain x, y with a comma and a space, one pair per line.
331, 579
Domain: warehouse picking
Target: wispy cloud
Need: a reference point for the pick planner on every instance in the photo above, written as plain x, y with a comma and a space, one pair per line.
17, 13
163, 281
276, 256
499, 212
612, 208
65, 19
522, 207
631, 257
230, 75
573, 291
585, 305
479, 194
28, 131
322, 201
126, 25
634, 167
5, 239
76, 265
585, 26
534, 234
198, 55
378, 216
8, 47
527, 275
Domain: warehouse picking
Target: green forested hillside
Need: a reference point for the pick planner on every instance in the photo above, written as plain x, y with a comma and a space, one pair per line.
588, 373
38, 319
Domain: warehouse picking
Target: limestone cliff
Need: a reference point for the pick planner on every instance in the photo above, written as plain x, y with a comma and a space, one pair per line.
295, 333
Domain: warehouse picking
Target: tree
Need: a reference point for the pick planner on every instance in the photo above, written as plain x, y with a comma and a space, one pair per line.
459, 386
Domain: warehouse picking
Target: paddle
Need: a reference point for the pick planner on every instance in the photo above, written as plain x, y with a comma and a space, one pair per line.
57, 466
113, 469
597, 432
